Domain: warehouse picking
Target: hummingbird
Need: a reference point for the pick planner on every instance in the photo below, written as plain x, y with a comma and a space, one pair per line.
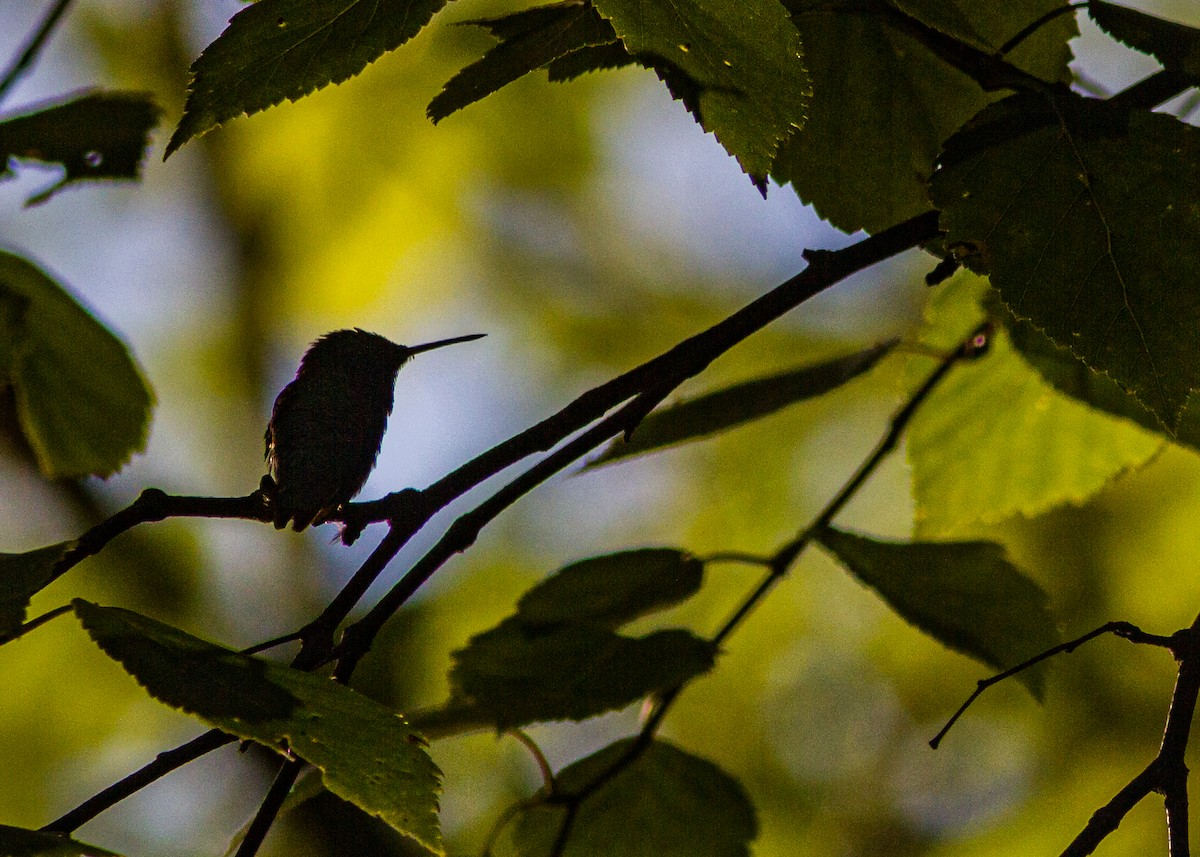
327, 424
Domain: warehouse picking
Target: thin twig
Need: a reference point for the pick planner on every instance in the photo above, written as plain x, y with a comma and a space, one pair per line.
35, 623
162, 765
1167, 773
685, 359
27, 57
780, 563
1032, 27
1124, 630
268, 811
539, 757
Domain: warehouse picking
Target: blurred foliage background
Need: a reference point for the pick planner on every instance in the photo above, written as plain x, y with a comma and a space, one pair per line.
585, 228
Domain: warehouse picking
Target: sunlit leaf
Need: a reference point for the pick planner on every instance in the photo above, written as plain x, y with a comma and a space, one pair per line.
513, 675
611, 590
995, 439
530, 39
19, 842
100, 135
1072, 376
1174, 45
81, 399
967, 595
22, 575
367, 754
741, 61
705, 415
1103, 254
667, 802
882, 103
274, 50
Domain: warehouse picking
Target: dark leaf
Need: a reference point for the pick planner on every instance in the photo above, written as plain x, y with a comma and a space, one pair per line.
512, 675
743, 58
967, 595
1174, 45
19, 842
609, 591
584, 60
100, 135
666, 803
1084, 217
285, 49
883, 103
1072, 376
81, 399
693, 419
529, 40
367, 754
22, 575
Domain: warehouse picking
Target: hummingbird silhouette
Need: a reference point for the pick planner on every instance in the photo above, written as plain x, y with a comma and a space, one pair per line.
327, 424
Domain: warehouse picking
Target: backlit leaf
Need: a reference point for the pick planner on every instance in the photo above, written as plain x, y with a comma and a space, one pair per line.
513, 675
966, 595
611, 590
692, 419
666, 802
1084, 217
274, 50
1174, 45
99, 135
995, 439
883, 104
737, 65
367, 754
81, 399
530, 40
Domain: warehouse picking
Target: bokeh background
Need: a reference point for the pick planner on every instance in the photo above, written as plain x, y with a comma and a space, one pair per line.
585, 227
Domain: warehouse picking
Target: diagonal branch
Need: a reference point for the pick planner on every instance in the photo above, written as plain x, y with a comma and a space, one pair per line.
28, 56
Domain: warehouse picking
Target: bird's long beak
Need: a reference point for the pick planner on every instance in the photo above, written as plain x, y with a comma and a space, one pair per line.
429, 346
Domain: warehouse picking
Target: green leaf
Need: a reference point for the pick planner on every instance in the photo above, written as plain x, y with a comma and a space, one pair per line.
100, 135
285, 49
1070, 375
530, 39
367, 754
736, 64
1102, 251
513, 675
883, 103
666, 803
19, 842
82, 401
22, 575
967, 595
1174, 45
995, 439
611, 590
692, 419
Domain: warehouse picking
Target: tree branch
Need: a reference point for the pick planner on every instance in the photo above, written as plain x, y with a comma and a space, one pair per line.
1167, 773
779, 563
39, 38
